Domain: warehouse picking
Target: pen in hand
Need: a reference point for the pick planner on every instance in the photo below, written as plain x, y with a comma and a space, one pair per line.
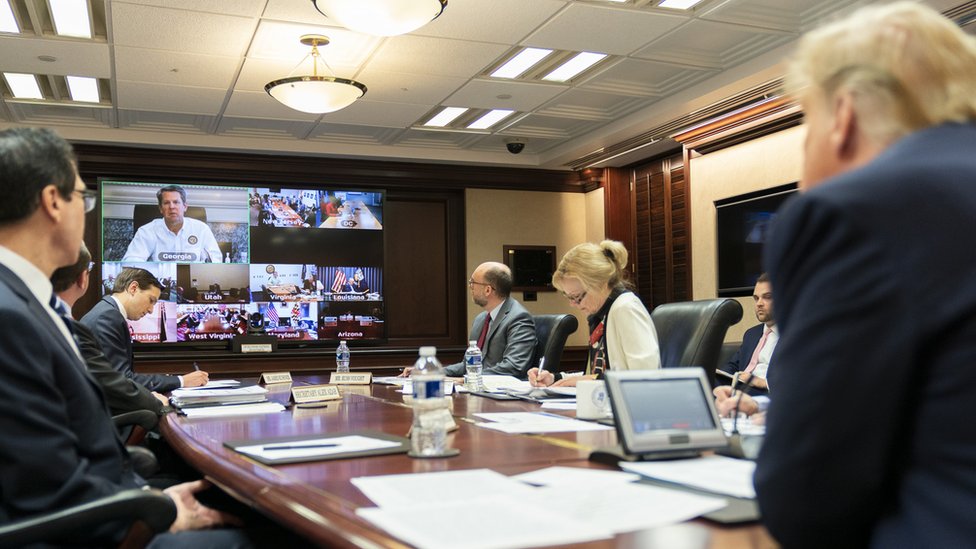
297, 447
196, 367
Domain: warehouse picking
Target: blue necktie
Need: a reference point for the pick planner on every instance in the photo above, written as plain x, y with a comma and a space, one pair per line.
62, 309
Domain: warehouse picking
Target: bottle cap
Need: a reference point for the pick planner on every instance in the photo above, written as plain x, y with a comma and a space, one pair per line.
341, 341
473, 342
428, 351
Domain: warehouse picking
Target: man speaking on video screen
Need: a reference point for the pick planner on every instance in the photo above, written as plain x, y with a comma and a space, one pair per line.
174, 237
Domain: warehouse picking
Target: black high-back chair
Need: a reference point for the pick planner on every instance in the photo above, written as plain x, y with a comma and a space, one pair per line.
691, 333
552, 331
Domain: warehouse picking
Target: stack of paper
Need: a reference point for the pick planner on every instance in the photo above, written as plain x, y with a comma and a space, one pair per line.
570, 513
716, 474
535, 422
221, 410
192, 398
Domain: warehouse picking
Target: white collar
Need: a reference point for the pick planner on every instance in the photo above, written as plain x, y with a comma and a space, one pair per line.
38, 284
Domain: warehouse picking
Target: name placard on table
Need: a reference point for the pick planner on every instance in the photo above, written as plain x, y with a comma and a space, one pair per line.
276, 377
315, 393
346, 378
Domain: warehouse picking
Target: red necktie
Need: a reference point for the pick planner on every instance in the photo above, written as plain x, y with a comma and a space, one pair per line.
754, 361
484, 333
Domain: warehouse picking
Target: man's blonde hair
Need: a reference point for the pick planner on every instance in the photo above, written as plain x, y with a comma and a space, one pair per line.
906, 66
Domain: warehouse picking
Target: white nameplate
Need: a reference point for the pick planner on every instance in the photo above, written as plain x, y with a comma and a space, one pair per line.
315, 393
276, 377
346, 378
256, 347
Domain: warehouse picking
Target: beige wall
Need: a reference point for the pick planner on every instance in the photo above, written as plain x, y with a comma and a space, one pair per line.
531, 219
758, 164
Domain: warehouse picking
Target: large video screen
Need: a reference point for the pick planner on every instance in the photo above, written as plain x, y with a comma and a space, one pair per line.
309, 261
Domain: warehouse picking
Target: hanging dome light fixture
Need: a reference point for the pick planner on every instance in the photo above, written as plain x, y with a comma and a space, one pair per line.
381, 17
313, 93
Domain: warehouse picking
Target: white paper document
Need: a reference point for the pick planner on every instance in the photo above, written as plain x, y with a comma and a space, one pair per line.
498, 383
221, 392
626, 507
391, 380
316, 447
574, 476
505, 524
222, 410
717, 474
560, 404
446, 487
535, 422
744, 426
215, 384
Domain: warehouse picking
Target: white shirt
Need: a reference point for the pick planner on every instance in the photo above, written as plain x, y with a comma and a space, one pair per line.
155, 242
766, 353
40, 287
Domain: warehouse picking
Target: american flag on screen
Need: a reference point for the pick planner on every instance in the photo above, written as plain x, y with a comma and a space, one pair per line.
272, 313
339, 282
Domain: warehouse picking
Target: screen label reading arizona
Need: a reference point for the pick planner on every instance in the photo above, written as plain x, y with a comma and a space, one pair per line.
177, 256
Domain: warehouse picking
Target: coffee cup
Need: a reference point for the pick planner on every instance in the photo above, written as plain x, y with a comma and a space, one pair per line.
592, 401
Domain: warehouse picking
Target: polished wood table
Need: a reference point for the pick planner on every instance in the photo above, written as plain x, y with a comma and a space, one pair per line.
317, 500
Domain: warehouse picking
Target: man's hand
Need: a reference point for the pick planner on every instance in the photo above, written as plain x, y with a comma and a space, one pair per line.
161, 398
726, 403
406, 372
753, 381
543, 380
196, 378
190, 513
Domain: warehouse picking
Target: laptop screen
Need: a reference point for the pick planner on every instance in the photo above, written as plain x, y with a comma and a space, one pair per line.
666, 410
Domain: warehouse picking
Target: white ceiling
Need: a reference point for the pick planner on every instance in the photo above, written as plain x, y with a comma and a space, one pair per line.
191, 73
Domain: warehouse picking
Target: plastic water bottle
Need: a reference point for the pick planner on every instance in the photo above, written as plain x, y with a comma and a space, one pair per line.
472, 367
342, 357
428, 437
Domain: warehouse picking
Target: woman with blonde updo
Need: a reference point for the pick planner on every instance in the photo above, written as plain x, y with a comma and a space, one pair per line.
622, 337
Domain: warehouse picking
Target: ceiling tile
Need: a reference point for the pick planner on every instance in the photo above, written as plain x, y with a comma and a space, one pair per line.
499, 21
375, 113
165, 122
167, 98
180, 30
400, 87
440, 56
73, 57
277, 40
646, 78
247, 8
549, 127
617, 31
264, 129
350, 134
783, 15
484, 94
708, 44
179, 69
588, 105
51, 115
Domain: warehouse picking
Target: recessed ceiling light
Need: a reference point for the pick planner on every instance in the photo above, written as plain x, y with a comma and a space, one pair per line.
678, 4
71, 18
517, 65
445, 117
490, 118
579, 63
83, 88
23, 86
8, 23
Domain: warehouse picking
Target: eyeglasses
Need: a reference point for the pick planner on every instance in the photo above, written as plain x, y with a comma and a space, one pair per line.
472, 282
89, 197
575, 299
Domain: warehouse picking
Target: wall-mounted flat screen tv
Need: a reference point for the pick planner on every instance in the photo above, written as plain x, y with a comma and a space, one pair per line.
308, 260
743, 223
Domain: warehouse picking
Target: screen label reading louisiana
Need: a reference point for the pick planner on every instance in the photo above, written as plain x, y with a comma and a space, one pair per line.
309, 261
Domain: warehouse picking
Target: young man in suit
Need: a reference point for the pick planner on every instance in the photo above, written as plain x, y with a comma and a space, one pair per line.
121, 393
508, 341
58, 446
755, 356
134, 296
868, 441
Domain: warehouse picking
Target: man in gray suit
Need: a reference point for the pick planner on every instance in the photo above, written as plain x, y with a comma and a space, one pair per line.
508, 340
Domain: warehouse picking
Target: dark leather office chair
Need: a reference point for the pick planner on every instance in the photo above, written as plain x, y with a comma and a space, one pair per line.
154, 511
551, 331
691, 333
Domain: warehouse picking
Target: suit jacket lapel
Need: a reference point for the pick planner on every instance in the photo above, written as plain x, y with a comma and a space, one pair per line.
502, 314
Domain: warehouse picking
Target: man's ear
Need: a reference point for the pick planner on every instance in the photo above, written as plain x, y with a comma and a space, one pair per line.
845, 132
50, 202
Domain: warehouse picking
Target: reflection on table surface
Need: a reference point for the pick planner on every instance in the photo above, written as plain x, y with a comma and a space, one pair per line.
317, 500
353, 214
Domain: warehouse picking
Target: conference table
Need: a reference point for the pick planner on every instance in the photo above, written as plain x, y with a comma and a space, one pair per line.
317, 500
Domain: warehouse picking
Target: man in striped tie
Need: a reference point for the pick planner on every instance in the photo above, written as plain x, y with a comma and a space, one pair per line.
751, 363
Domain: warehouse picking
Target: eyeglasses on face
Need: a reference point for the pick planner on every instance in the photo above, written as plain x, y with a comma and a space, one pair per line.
472, 282
89, 197
575, 299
